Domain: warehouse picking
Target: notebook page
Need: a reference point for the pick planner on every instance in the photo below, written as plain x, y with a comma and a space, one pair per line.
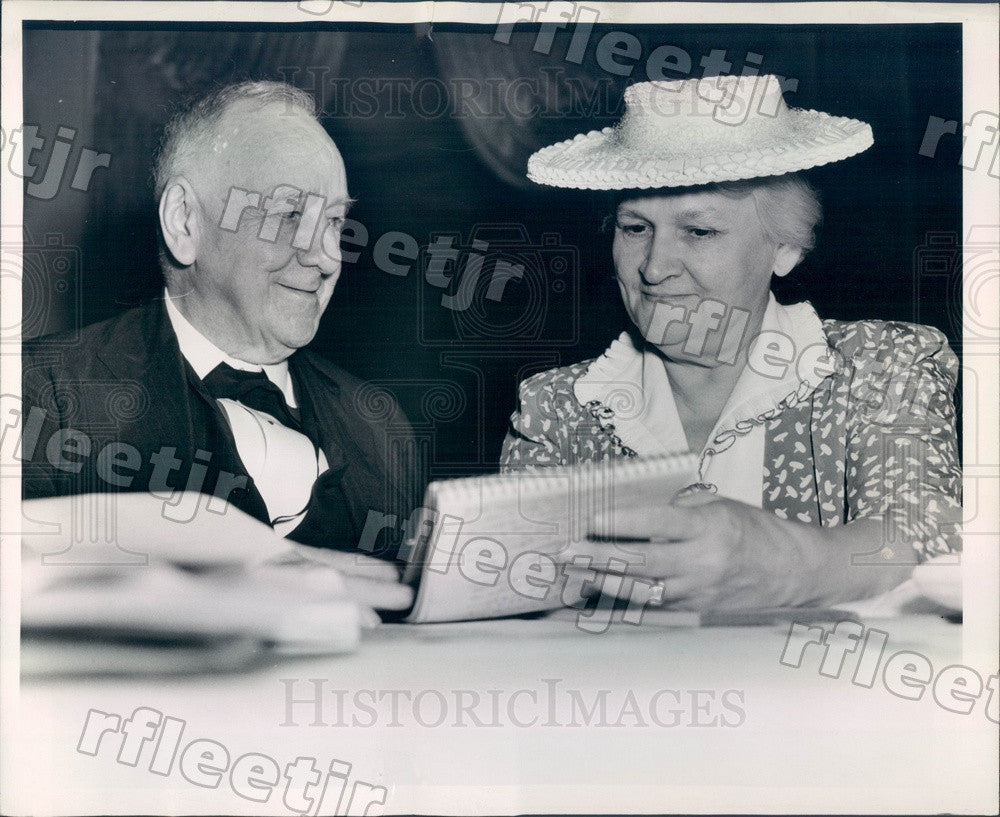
490, 547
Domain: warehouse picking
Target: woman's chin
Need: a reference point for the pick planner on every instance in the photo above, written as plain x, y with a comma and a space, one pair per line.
675, 353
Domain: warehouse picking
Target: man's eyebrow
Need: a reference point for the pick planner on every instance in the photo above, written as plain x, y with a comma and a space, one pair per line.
344, 201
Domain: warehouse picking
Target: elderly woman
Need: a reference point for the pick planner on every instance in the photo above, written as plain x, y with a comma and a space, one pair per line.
827, 453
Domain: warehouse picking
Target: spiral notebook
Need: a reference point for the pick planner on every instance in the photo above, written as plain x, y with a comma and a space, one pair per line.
483, 547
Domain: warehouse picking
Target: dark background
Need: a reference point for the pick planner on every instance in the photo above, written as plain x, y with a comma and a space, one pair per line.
447, 164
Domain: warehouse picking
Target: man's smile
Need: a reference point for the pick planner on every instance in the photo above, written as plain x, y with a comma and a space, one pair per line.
302, 289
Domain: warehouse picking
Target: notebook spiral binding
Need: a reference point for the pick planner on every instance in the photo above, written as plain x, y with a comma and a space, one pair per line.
496, 486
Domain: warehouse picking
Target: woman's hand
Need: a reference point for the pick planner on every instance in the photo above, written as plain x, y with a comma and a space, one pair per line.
708, 552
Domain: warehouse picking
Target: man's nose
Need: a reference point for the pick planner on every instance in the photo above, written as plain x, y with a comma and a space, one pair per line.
323, 252
663, 260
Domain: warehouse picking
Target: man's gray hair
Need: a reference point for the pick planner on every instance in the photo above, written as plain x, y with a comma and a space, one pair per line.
187, 131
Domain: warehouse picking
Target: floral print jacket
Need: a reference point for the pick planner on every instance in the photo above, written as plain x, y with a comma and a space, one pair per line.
874, 438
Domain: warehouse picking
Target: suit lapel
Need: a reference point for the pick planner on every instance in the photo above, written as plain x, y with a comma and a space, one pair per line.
181, 415
828, 428
318, 397
330, 421
148, 353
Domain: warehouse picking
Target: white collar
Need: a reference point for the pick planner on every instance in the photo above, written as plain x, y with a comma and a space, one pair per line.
633, 383
203, 355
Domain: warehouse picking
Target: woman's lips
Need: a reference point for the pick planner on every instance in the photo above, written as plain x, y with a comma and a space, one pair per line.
660, 296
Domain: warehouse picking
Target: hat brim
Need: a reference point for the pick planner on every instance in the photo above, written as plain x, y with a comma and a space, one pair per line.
595, 161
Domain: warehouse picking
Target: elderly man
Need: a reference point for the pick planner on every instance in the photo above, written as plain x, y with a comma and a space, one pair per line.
208, 390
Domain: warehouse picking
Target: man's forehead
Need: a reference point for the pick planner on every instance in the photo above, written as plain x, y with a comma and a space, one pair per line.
273, 129
269, 147
249, 114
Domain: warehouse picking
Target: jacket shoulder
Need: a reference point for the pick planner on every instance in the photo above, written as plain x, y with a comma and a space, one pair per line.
77, 350
340, 377
853, 338
873, 350
556, 381
371, 401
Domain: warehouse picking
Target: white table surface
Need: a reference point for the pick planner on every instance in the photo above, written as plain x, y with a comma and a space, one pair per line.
808, 743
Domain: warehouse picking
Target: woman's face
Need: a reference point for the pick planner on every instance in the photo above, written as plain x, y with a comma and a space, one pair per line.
689, 263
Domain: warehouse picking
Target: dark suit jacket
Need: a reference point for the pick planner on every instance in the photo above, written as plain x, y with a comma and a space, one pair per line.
125, 384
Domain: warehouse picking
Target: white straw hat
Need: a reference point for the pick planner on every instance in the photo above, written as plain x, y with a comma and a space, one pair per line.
690, 132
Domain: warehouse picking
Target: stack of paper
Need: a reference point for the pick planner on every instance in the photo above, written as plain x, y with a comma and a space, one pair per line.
217, 592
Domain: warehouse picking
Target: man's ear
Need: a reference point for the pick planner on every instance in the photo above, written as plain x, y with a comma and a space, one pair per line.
785, 259
179, 220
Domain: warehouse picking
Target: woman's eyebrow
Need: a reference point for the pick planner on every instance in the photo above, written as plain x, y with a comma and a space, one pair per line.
628, 211
695, 213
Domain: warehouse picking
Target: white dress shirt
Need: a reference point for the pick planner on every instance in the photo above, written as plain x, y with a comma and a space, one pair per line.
282, 461
634, 383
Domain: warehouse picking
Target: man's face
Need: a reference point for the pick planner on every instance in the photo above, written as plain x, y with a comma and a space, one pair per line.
265, 269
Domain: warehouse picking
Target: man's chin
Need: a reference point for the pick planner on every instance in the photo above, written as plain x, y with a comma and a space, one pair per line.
289, 341
292, 345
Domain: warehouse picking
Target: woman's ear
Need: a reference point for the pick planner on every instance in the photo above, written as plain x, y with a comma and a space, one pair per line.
179, 220
785, 259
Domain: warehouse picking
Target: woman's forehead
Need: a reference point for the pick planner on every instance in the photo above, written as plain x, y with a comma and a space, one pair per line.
687, 202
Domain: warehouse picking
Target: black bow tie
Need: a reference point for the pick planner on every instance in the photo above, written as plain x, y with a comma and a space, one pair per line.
252, 389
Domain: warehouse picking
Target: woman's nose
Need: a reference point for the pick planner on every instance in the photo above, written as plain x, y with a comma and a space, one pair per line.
662, 261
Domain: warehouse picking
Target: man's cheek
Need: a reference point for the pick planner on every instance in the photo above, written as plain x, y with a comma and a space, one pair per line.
277, 256
327, 292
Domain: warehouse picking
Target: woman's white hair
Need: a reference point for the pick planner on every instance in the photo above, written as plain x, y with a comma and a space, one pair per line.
788, 206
